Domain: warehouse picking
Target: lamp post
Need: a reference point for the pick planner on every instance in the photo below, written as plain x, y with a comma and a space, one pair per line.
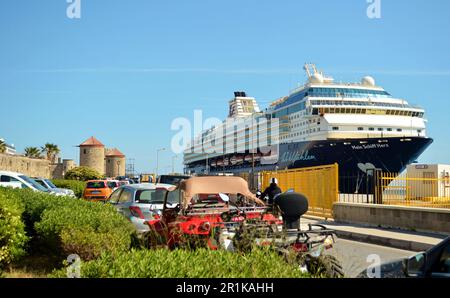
173, 163
157, 162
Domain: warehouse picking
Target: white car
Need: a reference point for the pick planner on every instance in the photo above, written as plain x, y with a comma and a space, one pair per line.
18, 180
48, 184
140, 202
113, 184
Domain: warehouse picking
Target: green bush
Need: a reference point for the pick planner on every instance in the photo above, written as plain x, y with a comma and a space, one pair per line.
84, 228
62, 225
12, 229
200, 263
75, 185
83, 174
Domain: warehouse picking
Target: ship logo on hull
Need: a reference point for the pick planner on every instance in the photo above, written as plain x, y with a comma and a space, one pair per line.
366, 167
297, 155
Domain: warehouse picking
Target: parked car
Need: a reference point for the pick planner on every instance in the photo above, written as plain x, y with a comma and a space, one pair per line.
172, 179
114, 184
18, 180
97, 190
48, 184
140, 202
434, 262
124, 182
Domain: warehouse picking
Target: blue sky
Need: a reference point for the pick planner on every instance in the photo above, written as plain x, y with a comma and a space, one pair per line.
127, 68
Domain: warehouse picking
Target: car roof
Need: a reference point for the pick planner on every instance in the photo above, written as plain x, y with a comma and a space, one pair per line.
10, 173
147, 186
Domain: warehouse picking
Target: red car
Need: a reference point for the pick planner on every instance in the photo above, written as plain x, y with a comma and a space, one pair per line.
204, 206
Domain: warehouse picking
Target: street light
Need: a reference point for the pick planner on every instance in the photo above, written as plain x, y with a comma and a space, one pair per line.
157, 162
173, 163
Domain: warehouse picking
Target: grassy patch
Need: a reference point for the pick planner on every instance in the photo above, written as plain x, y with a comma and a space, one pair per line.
200, 263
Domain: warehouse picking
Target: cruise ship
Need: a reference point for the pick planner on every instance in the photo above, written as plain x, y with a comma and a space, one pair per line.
360, 126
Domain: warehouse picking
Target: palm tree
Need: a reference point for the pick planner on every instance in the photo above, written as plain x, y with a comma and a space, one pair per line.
33, 152
51, 151
2, 146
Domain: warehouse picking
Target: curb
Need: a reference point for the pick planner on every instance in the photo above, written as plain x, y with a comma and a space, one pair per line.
411, 245
395, 243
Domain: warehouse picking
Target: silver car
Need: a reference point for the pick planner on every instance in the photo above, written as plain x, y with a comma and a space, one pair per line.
140, 202
48, 184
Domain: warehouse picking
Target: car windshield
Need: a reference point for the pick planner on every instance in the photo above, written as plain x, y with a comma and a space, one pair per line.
167, 179
33, 183
50, 183
41, 182
95, 184
200, 200
150, 196
112, 184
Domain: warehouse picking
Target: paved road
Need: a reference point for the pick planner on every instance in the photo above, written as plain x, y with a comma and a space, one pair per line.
353, 255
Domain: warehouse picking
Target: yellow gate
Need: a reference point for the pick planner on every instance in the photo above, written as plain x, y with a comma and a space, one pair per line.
404, 190
319, 184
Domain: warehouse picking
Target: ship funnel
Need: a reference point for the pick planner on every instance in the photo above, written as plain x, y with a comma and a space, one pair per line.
240, 94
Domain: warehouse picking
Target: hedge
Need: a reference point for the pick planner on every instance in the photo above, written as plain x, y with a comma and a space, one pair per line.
200, 263
75, 185
12, 229
84, 228
61, 225
82, 174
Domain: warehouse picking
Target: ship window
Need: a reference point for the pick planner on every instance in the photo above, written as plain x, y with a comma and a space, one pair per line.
380, 129
399, 129
360, 128
371, 128
419, 130
389, 129
335, 128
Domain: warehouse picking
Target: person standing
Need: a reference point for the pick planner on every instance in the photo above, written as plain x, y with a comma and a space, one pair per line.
271, 191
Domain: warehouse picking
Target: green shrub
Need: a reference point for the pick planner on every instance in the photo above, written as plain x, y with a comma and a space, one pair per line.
200, 263
62, 225
83, 174
75, 185
84, 228
12, 229
35, 203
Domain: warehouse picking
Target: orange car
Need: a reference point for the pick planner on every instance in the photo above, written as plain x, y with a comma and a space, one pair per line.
97, 190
